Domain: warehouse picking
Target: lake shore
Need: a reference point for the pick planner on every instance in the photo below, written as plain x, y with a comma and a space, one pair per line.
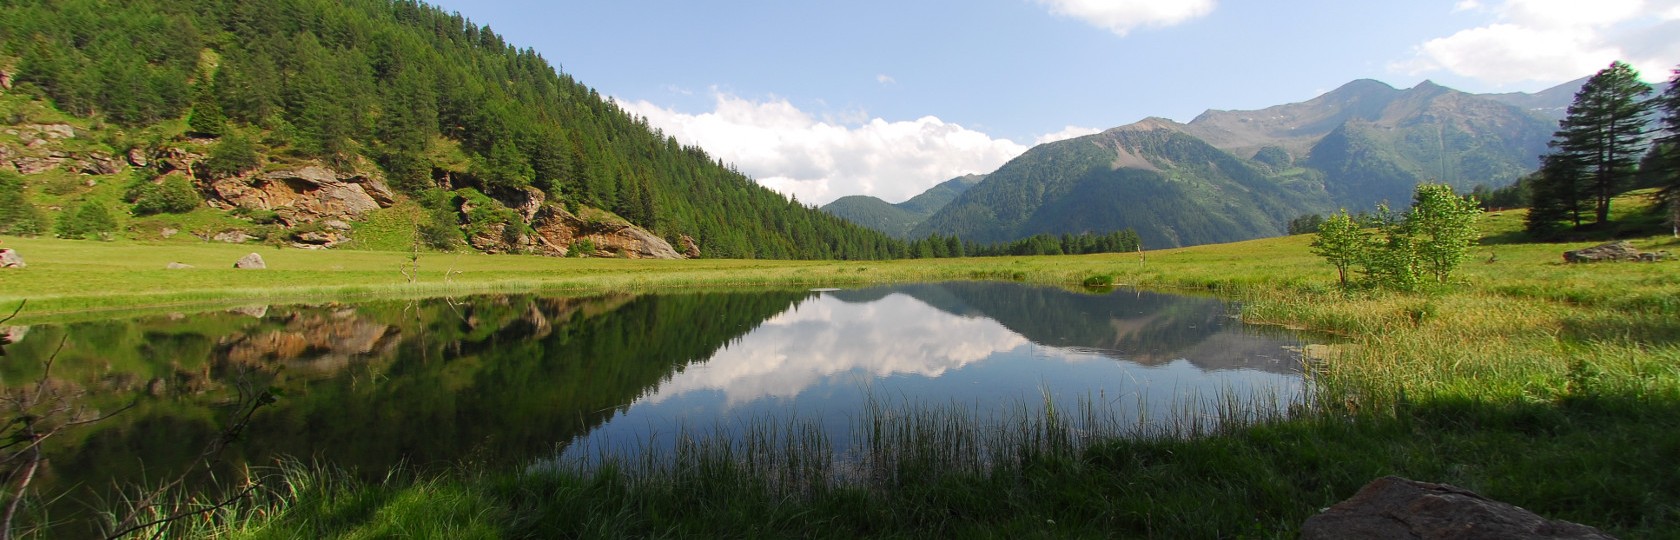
1553, 387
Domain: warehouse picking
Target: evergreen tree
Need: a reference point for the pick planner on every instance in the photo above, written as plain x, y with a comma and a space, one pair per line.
1666, 152
206, 116
1599, 141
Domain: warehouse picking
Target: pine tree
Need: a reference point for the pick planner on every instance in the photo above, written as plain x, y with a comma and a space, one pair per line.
1667, 151
1600, 140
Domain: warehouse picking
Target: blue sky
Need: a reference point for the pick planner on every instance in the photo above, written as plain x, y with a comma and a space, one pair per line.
886, 98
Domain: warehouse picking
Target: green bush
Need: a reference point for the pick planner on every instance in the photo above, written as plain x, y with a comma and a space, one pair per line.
176, 195
17, 215
230, 157
91, 220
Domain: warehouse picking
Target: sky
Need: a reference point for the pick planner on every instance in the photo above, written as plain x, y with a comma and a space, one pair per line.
819, 100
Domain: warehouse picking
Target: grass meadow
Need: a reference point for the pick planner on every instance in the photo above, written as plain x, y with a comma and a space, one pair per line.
1550, 386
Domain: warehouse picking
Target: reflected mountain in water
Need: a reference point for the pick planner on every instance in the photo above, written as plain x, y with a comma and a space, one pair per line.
1131, 325
992, 346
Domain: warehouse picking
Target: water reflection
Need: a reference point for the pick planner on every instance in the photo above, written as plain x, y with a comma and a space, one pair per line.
500, 380
991, 347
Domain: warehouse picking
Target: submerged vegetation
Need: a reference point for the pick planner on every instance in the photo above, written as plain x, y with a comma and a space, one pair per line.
1550, 386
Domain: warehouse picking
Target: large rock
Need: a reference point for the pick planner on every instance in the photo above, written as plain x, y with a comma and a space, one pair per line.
98, 163
10, 259
1620, 250
304, 195
1396, 508
33, 165
691, 249
250, 262
557, 231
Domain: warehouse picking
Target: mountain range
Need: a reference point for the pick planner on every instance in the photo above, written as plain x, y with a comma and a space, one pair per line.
1235, 175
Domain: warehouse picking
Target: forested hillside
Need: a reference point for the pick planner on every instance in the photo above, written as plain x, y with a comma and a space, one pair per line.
1172, 188
898, 219
443, 107
1235, 175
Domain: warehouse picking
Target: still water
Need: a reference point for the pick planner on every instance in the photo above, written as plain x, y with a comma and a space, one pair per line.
499, 381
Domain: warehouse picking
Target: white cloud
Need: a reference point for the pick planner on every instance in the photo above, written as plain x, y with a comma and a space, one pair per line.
828, 339
885, 79
1554, 40
1067, 132
818, 160
1121, 16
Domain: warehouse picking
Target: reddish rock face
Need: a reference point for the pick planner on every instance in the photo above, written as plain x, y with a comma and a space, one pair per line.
559, 231
305, 195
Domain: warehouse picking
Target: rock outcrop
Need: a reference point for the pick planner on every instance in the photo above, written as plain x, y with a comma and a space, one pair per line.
1620, 250
252, 261
303, 195
691, 249
558, 233
1396, 508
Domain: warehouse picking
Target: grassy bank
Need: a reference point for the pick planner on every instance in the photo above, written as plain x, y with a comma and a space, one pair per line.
1554, 387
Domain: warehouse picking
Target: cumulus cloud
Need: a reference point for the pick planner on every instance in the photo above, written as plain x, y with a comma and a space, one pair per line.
1555, 40
828, 339
1121, 16
1068, 132
820, 159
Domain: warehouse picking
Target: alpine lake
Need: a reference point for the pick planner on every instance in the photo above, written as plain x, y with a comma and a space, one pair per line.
528, 382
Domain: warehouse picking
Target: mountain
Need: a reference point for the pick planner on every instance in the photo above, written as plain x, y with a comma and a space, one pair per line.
1550, 103
898, 219
474, 136
1235, 175
1172, 188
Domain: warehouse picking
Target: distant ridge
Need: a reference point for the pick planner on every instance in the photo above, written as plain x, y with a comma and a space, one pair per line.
1235, 175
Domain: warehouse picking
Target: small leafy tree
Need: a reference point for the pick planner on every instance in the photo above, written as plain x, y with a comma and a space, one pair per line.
1342, 243
1432, 238
1443, 225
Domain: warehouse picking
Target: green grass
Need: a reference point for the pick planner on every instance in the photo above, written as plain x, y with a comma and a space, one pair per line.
1554, 387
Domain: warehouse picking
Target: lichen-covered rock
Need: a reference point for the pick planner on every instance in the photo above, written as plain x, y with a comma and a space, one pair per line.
1396, 508
304, 195
231, 237
558, 231
98, 163
33, 165
1620, 250
138, 157
252, 261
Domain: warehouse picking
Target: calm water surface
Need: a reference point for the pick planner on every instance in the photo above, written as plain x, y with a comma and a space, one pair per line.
514, 380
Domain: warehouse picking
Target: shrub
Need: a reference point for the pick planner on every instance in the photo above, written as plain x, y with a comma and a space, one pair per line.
17, 215
176, 195
230, 157
1431, 238
91, 220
